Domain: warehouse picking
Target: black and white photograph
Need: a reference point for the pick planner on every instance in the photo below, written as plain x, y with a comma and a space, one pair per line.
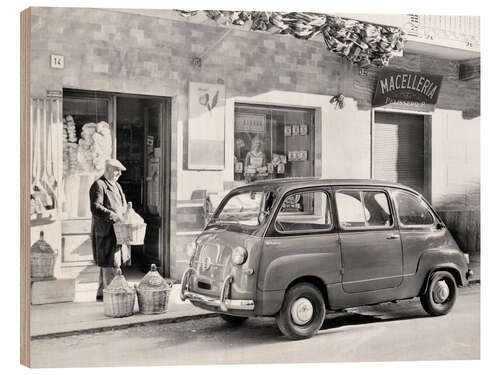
243, 187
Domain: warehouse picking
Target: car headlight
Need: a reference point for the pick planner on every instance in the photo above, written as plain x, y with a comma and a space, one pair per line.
190, 249
239, 255
467, 258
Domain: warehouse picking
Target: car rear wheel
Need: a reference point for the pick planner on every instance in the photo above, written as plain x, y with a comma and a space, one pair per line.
302, 313
234, 320
440, 295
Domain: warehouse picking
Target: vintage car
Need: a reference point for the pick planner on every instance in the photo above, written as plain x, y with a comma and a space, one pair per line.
297, 248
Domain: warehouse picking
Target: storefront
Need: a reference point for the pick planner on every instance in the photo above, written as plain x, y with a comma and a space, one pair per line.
195, 109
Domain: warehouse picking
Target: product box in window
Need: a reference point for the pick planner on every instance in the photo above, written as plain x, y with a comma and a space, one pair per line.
303, 129
296, 130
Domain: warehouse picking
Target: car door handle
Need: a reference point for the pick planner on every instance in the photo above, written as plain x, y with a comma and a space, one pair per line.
392, 236
273, 243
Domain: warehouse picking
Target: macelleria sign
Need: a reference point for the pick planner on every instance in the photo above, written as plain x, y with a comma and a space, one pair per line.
402, 87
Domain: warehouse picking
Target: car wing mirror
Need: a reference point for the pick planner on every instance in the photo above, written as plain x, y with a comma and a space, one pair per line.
440, 226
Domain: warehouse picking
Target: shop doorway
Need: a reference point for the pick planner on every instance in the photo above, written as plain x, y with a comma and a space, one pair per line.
136, 130
399, 149
141, 139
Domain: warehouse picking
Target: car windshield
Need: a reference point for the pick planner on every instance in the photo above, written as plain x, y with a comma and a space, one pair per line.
245, 208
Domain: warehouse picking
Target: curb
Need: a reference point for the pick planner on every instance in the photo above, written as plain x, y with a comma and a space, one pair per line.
86, 331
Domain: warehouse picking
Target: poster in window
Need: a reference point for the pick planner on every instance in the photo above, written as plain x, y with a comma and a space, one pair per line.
206, 126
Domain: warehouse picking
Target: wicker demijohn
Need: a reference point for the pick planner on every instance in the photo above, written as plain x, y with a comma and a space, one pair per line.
119, 297
153, 292
42, 258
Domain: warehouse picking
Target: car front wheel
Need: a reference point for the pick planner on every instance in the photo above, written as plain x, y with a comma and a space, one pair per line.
441, 294
302, 313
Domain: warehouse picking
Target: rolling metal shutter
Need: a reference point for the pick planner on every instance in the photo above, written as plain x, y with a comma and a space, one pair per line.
398, 148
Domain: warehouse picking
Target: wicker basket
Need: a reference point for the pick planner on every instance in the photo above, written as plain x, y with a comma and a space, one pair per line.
42, 265
119, 298
42, 259
130, 234
153, 292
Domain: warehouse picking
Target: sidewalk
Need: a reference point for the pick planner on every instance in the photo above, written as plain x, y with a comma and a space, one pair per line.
85, 315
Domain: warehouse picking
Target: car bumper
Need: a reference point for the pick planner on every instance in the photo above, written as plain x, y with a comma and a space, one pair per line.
222, 303
469, 274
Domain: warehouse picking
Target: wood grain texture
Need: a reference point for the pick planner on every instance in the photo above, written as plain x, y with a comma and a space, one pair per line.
25, 187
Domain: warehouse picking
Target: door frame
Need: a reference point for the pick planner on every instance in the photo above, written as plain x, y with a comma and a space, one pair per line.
165, 173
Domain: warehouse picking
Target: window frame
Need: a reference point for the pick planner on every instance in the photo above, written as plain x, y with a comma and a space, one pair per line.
427, 206
362, 190
314, 189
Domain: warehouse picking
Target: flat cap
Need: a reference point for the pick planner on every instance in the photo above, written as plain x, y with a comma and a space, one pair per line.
116, 164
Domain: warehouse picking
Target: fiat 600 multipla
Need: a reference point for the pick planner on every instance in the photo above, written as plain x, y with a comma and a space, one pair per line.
298, 248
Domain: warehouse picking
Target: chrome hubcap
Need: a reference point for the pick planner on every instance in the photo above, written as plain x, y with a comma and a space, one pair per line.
302, 311
441, 292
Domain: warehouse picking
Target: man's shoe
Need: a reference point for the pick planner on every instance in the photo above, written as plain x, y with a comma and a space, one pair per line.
98, 298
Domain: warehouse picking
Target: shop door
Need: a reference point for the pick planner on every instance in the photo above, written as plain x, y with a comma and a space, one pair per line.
398, 148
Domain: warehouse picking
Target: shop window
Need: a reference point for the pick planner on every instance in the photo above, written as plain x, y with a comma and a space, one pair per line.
87, 144
412, 210
315, 215
273, 142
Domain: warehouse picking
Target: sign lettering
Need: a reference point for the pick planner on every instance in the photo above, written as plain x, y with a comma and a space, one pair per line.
410, 88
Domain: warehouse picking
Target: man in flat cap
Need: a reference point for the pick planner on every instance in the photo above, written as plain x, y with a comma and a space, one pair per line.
108, 204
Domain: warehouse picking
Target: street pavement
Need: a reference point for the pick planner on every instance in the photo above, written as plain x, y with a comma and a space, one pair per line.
387, 332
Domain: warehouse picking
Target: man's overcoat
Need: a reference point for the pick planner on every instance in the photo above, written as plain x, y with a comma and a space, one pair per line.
105, 198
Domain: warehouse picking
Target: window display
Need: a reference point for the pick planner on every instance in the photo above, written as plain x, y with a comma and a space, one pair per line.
272, 142
87, 143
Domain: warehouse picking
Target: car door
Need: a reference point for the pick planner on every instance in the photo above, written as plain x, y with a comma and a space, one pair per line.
418, 228
371, 249
301, 241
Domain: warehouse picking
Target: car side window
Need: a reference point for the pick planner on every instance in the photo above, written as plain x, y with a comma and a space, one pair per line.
315, 216
412, 210
367, 209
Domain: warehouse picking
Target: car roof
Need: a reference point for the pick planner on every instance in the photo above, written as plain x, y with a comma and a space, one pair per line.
286, 184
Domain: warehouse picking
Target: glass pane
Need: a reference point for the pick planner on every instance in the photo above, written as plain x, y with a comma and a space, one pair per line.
377, 209
272, 142
316, 217
87, 144
243, 208
412, 210
350, 209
